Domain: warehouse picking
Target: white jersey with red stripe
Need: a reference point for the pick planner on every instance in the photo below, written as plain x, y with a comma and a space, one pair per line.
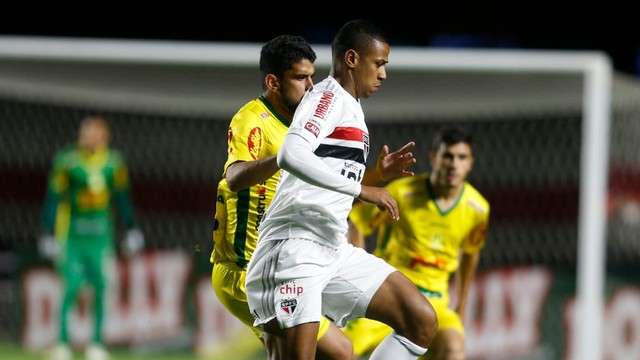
332, 122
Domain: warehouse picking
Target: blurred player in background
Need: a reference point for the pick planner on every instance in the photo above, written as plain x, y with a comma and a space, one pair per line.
303, 267
442, 228
86, 179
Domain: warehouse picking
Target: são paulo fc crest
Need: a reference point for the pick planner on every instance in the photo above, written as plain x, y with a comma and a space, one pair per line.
289, 305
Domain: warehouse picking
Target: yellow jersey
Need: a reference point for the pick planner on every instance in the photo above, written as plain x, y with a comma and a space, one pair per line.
425, 243
256, 131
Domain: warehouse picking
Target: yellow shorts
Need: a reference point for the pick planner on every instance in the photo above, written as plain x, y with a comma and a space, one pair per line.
228, 283
366, 334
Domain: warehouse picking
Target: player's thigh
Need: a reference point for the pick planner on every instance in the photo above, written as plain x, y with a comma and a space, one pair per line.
333, 344
97, 260
366, 334
294, 342
229, 288
399, 304
71, 266
448, 344
300, 341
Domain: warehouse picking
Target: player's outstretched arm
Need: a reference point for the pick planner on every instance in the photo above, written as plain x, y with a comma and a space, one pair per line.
243, 174
390, 166
297, 157
57, 190
468, 265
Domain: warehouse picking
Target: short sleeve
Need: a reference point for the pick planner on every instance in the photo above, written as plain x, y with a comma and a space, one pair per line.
245, 139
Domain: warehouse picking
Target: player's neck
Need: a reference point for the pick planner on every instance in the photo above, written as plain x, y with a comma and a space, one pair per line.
347, 83
92, 150
445, 193
281, 110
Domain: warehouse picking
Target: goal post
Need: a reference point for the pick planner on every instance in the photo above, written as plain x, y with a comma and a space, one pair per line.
595, 69
596, 109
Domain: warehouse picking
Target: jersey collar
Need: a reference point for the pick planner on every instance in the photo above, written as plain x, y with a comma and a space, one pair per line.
273, 111
93, 159
432, 195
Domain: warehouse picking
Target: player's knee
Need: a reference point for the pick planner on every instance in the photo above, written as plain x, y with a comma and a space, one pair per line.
453, 352
424, 325
450, 345
335, 347
343, 350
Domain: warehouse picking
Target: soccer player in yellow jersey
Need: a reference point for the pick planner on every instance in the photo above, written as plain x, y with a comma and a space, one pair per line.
442, 228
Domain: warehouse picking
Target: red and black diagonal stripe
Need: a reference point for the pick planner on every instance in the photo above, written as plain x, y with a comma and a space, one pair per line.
340, 151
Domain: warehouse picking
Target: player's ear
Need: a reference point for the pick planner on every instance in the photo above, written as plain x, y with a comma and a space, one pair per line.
271, 82
351, 58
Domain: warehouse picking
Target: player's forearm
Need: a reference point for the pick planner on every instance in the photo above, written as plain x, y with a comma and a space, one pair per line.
49, 211
244, 174
372, 177
467, 271
125, 207
296, 157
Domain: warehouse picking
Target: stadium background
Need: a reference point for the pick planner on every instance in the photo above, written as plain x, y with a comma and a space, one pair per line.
170, 122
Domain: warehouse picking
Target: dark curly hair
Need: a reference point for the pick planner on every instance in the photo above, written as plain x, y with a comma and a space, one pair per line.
280, 53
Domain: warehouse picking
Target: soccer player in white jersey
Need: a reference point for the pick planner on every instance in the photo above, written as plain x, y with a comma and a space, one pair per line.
303, 266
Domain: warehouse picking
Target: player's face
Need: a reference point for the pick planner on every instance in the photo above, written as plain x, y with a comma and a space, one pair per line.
93, 136
295, 82
371, 69
452, 164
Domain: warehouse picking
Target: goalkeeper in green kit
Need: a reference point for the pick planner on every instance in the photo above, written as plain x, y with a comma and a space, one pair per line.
87, 179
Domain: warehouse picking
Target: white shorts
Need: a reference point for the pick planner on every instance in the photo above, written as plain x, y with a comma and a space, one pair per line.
299, 280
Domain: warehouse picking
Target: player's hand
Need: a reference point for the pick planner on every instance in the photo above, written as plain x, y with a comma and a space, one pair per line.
379, 219
393, 165
133, 241
48, 247
382, 198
